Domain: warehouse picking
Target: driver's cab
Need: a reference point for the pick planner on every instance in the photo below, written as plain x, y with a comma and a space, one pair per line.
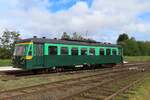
23, 54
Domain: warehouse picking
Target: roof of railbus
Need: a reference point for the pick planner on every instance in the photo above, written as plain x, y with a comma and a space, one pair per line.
69, 42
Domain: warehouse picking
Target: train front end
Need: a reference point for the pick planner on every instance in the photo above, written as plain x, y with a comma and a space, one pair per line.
23, 54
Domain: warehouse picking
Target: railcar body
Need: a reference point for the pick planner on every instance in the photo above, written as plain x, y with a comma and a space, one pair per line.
39, 53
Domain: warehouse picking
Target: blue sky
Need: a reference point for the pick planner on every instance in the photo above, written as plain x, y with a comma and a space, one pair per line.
104, 20
145, 16
58, 5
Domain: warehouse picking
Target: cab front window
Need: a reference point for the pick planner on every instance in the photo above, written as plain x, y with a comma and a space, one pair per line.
20, 50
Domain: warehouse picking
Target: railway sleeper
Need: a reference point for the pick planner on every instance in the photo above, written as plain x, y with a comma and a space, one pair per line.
79, 98
130, 92
122, 96
93, 96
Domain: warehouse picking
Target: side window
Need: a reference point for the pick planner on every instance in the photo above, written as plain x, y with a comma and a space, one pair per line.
107, 51
101, 51
64, 51
114, 52
74, 51
83, 51
52, 50
92, 51
38, 50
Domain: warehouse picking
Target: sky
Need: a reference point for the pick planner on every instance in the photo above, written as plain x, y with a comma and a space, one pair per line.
102, 20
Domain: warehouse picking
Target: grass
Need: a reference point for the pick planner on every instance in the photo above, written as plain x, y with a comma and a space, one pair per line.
6, 83
142, 92
6, 62
137, 58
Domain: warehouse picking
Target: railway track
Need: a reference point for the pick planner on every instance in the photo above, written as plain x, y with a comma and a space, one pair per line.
21, 73
106, 91
27, 75
71, 88
116, 90
54, 85
127, 87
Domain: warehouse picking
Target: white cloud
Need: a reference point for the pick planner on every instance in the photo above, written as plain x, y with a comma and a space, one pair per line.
31, 17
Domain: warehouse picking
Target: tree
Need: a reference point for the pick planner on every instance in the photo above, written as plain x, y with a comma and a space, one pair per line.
8, 38
65, 36
144, 48
4, 53
7, 42
5, 39
77, 36
132, 38
130, 48
14, 37
122, 37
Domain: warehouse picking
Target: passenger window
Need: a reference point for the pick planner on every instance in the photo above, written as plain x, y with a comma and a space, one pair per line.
107, 51
83, 51
92, 51
101, 51
38, 50
52, 50
114, 52
64, 51
74, 51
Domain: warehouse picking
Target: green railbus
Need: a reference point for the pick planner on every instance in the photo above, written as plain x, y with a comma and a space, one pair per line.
42, 53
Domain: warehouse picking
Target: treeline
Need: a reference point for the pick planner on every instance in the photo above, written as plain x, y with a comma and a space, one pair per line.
7, 43
76, 36
131, 47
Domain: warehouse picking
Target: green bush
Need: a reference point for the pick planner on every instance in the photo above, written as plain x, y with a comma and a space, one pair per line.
6, 62
5, 54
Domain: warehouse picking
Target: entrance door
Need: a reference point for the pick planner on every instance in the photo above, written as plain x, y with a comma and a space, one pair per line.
38, 55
